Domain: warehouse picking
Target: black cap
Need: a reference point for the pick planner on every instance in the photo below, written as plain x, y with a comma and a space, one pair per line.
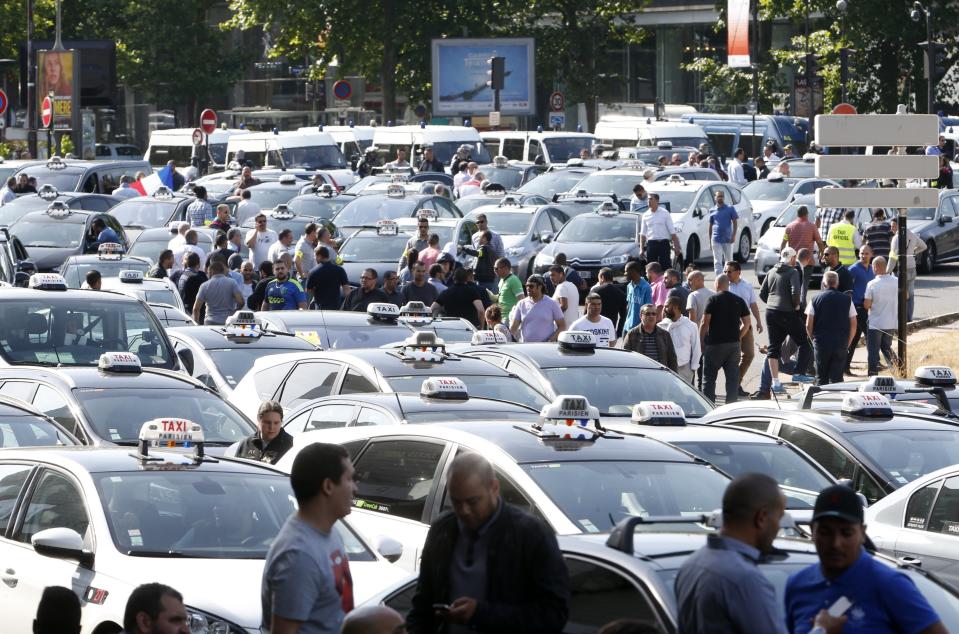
536, 279
838, 501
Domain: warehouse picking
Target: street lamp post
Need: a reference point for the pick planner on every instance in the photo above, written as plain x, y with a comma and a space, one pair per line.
918, 12
841, 6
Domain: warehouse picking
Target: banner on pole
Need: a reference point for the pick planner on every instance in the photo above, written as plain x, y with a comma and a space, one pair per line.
737, 43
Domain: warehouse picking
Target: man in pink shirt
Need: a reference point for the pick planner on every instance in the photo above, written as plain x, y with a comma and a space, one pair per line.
654, 273
802, 234
431, 253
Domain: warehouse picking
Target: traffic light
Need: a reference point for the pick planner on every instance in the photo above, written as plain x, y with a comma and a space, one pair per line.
847, 64
812, 65
496, 72
934, 60
308, 94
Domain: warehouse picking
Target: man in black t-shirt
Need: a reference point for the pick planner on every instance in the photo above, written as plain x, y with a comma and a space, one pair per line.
325, 282
614, 299
461, 299
360, 298
725, 321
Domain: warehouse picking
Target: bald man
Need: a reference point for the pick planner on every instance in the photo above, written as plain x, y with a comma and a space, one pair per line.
374, 619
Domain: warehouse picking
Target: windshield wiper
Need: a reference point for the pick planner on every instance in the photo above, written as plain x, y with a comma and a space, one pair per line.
162, 553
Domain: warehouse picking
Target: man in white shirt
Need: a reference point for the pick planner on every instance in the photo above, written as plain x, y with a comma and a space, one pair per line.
246, 208
474, 185
744, 290
190, 239
593, 321
772, 159
284, 244
400, 161
736, 174
259, 240
464, 175
685, 336
566, 294
655, 233
124, 190
178, 230
882, 302
7, 194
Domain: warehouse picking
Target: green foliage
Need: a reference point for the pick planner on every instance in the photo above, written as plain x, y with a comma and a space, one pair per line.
66, 144
725, 85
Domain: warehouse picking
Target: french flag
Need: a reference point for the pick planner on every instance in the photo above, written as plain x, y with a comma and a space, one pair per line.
148, 185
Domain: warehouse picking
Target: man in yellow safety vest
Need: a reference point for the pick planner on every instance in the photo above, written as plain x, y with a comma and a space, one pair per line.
845, 237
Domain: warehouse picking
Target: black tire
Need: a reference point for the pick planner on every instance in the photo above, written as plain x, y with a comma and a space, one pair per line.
928, 262
692, 250
744, 247
766, 226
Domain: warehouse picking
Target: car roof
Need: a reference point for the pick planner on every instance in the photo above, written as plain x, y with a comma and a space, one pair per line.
81, 295
687, 185
110, 459
93, 257
831, 417
326, 318
213, 338
86, 377
694, 432
550, 355
409, 403
390, 363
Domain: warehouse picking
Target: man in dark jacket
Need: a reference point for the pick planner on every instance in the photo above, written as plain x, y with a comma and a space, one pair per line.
270, 441
781, 290
650, 340
492, 566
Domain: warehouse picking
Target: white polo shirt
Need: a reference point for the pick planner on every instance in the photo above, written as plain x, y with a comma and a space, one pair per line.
657, 225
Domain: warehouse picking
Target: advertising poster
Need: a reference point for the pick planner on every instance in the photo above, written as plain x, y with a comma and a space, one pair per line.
55, 75
737, 43
460, 76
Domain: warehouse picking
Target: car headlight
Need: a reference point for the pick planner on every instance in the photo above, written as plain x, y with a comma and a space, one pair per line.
202, 623
513, 252
543, 260
678, 226
614, 260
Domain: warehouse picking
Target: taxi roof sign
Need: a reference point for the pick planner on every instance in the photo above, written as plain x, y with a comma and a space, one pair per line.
383, 311
120, 363
287, 179
56, 163
935, 375
487, 338
326, 190
608, 208
48, 282
428, 214
398, 177
242, 326
110, 251
577, 340
387, 228
675, 179
48, 192
500, 161
659, 413
131, 276
395, 190
866, 404
58, 209
163, 193
568, 407
170, 432
509, 200
880, 384
282, 212
445, 388
423, 345
415, 308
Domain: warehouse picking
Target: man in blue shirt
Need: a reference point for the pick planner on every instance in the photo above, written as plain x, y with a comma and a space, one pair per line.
283, 293
882, 598
640, 200
638, 294
103, 233
862, 274
722, 230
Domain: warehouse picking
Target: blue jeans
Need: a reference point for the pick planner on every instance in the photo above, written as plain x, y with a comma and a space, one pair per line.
766, 378
723, 356
877, 340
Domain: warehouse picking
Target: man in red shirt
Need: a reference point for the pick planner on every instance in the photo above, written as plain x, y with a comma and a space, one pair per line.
802, 234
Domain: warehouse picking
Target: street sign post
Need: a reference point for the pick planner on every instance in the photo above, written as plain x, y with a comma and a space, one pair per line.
342, 89
557, 101
208, 121
845, 108
557, 120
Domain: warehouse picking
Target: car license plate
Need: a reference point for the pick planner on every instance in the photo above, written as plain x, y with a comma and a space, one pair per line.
585, 274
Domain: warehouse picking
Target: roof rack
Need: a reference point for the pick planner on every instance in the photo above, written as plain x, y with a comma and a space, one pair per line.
621, 537
937, 392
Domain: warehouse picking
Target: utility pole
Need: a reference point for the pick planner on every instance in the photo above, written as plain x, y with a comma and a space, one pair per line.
31, 86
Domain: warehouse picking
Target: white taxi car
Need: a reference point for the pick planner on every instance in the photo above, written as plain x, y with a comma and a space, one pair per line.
152, 291
103, 521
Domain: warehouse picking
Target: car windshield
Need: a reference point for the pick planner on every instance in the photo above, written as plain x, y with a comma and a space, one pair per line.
19, 207
63, 329
222, 424
510, 223
596, 228
142, 213
30, 431
906, 454
550, 183
614, 390
508, 178
366, 336
67, 180
765, 189
270, 197
443, 151
789, 214
202, 514
561, 149
597, 494
466, 413
318, 206
218, 152
317, 157
601, 183
921, 213
369, 247
366, 210
502, 388
363, 183
675, 202
75, 273
42, 232
800, 480
234, 363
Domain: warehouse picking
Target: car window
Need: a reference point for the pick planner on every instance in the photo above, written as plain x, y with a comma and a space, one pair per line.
917, 510
445, 208
945, 514
507, 490
867, 485
524, 373
533, 150
96, 203
12, 477
758, 425
356, 383
821, 450
51, 403
55, 503
267, 381
513, 149
308, 381
733, 195
370, 416
542, 224
597, 591
22, 390
330, 416
395, 477
558, 218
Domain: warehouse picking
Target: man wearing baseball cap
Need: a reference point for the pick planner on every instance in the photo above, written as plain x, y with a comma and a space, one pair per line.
879, 598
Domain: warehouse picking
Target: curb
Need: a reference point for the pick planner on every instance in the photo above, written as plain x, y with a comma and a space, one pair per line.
931, 322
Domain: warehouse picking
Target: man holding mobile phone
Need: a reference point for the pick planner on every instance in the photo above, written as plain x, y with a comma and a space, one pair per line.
488, 566
849, 590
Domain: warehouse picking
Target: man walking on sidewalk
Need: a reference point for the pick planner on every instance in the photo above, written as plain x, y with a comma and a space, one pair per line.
862, 274
744, 290
780, 291
725, 324
882, 302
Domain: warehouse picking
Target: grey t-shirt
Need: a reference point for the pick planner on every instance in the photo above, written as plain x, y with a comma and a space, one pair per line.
218, 292
307, 578
413, 293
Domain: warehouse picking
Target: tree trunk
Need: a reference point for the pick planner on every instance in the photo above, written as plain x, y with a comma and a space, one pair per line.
388, 67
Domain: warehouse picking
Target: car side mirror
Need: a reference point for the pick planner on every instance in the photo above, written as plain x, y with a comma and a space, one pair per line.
391, 549
186, 358
26, 266
21, 279
944, 220
62, 543
546, 237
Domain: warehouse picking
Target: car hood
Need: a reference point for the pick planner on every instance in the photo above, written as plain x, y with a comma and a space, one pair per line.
772, 238
767, 206
512, 239
592, 250
918, 226
50, 258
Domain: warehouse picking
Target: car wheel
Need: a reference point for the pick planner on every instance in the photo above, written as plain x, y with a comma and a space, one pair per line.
692, 250
928, 262
745, 246
766, 226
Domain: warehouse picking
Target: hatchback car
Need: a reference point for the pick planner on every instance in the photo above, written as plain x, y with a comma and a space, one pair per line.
58, 232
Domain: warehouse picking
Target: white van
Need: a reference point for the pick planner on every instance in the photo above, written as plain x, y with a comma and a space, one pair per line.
555, 147
176, 144
445, 140
353, 140
620, 131
310, 150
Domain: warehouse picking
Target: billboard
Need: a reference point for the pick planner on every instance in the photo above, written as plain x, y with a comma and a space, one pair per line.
459, 76
57, 73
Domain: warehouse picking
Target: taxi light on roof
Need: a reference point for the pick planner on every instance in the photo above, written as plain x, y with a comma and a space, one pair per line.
282, 212
660, 413
608, 208
510, 201
415, 308
423, 339
424, 346
935, 375
428, 214
487, 338
444, 387
867, 404
48, 282
567, 408
326, 190
170, 432
395, 190
577, 340
120, 362
58, 209
581, 193
131, 277
880, 385
287, 179
568, 422
500, 161
675, 179
56, 163
110, 251
243, 326
386, 228
494, 190
242, 318
664, 145
575, 162
48, 192
163, 193
398, 177
383, 311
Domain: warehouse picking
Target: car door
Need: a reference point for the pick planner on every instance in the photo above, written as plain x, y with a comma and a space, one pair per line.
308, 381
325, 416
935, 542
700, 217
396, 480
13, 478
947, 242
49, 401
55, 502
